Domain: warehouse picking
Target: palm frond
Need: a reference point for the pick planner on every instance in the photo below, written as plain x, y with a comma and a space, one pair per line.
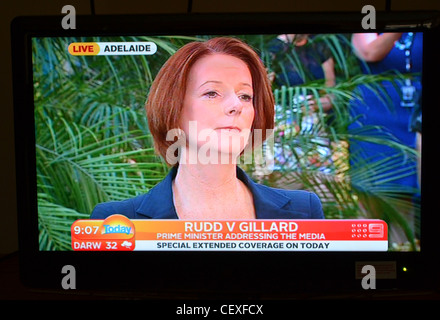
54, 224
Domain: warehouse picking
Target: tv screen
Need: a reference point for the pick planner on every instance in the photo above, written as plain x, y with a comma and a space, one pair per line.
338, 133
193, 141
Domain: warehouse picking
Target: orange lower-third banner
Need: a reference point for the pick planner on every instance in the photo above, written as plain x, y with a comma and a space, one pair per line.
118, 233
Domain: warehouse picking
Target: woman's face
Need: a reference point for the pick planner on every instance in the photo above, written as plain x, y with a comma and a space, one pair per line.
218, 109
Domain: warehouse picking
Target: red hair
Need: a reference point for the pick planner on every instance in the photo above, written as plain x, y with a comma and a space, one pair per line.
165, 101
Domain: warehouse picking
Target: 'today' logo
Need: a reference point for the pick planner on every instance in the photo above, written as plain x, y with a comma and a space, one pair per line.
118, 227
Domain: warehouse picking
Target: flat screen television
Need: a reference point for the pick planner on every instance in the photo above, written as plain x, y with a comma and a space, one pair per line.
320, 131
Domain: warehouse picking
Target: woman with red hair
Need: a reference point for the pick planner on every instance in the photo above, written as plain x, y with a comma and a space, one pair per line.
213, 96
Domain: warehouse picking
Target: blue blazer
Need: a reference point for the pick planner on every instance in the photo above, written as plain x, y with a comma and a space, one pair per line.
269, 203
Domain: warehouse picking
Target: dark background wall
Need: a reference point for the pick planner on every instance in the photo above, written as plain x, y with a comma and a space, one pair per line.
12, 8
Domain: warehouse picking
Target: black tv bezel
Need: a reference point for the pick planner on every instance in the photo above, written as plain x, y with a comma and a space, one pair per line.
246, 272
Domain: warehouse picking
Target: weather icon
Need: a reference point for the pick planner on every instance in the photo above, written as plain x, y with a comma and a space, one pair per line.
126, 244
